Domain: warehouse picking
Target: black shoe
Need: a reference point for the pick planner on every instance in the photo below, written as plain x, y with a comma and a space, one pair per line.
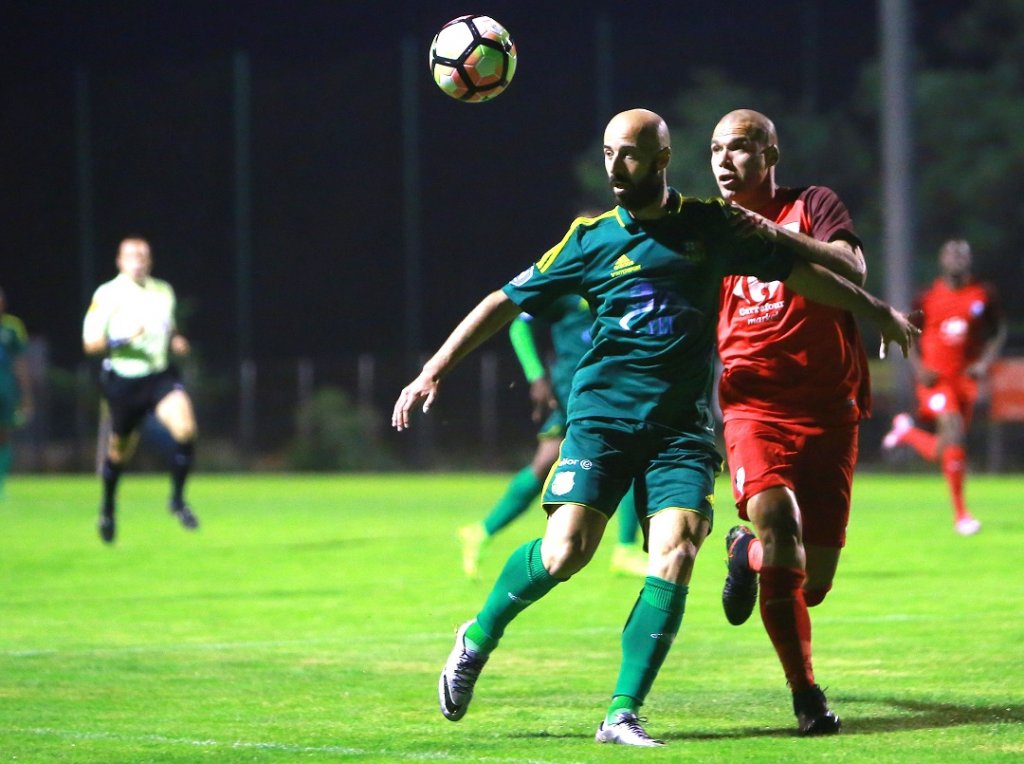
107, 528
813, 714
185, 516
740, 591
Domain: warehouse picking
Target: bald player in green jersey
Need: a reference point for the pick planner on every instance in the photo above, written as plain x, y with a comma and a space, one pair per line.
640, 409
568, 320
15, 387
131, 323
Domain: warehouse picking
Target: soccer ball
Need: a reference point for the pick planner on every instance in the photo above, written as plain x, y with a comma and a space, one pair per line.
472, 58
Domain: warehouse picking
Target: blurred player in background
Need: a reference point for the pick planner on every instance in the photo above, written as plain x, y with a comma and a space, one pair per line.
15, 385
964, 331
569, 320
794, 386
131, 323
639, 412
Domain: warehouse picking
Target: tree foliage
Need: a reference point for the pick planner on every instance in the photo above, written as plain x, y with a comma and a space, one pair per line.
969, 143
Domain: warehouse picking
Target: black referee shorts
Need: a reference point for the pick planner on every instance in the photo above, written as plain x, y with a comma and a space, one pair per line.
131, 398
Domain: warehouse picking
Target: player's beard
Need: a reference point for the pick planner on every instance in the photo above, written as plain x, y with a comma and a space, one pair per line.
642, 192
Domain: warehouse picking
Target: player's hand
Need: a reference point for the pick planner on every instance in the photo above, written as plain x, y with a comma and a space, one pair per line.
977, 370
898, 328
24, 413
423, 388
542, 399
180, 346
747, 223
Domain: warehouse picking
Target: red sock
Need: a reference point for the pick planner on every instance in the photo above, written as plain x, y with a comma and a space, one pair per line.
922, 441
755, 553
785, 617
954, 465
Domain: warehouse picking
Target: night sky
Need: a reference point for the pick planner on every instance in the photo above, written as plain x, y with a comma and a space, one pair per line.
497, 184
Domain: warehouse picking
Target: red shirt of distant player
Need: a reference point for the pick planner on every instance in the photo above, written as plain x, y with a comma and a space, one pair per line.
786, 358
957, 323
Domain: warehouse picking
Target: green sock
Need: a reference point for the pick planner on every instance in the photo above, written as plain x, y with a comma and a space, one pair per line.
521, 491
629, 524
647, 637
6, 455
620, 703
522, 582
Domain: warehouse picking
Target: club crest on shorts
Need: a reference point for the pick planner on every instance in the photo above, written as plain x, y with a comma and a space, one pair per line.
562, 483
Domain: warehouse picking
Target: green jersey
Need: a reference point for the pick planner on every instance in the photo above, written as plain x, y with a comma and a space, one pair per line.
569, 320
653, 286
13, 341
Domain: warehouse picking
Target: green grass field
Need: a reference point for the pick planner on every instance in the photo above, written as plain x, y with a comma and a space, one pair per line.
308, 619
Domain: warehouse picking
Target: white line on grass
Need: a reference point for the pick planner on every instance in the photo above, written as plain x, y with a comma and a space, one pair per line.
335, 750
348, 640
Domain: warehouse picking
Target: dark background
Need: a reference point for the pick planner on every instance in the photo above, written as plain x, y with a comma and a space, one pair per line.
497, 183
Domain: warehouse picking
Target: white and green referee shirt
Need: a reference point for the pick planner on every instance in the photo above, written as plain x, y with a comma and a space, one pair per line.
119, 307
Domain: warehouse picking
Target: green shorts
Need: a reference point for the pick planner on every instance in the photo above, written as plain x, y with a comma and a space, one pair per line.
554, 425
599, 459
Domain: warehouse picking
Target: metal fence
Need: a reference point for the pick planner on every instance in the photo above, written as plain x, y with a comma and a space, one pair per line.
264, 415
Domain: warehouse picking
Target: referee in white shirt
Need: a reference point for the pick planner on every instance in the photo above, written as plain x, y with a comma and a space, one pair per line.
131, 323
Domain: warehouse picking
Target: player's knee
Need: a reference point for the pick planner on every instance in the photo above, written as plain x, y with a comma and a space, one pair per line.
562, 558
776, 516
675, 562
816, 596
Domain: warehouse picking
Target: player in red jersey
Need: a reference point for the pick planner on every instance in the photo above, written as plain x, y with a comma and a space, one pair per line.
964, 331
794, 386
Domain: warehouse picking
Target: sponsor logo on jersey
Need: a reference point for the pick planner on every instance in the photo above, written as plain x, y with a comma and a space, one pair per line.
623, 266
563, 482
523, 277
761, 298
584, 464
954, 330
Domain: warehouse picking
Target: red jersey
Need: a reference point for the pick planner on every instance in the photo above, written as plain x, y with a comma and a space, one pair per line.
957, 322
784, 357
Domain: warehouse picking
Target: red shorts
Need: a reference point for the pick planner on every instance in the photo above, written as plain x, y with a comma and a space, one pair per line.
816, 463
948, 395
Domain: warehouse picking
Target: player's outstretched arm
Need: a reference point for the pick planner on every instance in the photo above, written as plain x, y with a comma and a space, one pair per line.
824, 286
839, 256
493, 312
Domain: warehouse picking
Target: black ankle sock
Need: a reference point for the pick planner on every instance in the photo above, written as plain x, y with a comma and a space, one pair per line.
181, 464
111, 474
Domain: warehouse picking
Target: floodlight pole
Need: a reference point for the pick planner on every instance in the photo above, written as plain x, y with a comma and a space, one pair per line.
897, 158
86, 214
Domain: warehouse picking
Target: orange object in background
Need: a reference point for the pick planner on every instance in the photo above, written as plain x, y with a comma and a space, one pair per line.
1006, 383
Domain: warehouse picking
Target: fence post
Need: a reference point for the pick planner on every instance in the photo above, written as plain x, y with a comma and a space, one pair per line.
247, 407
304, 379
365, 373
489, 404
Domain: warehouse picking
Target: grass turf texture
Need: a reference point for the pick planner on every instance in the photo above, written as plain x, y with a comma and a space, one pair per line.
308, 618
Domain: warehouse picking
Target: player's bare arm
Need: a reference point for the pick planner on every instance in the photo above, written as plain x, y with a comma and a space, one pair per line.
490, 315
993, 347
840, 256
25, 404
822, 285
